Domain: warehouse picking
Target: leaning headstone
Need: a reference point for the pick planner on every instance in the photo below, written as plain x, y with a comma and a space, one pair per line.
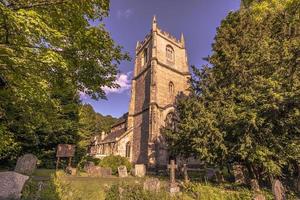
139, 170
122, 171
238, 171
26, 164
11, 185
152, 184
278, 190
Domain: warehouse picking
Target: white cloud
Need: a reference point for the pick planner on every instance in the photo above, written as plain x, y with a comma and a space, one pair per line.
124, 13
123, 80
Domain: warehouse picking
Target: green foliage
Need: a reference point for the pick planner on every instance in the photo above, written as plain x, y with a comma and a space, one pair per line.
133, 192
50, 53
114, 162
203, 192
48, 190
86, 159
244, 107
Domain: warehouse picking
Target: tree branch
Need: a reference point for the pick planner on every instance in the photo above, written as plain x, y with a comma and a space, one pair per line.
35, 5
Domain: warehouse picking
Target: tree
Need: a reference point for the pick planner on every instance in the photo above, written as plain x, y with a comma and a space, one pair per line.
91, 124
48, 53
250, 92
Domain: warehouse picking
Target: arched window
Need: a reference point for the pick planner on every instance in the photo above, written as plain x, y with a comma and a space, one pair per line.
128, 146
171, 88
145, 57
170, 121
170, 54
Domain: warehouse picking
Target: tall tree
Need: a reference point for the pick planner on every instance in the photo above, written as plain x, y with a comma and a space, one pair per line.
250, 93
48, 53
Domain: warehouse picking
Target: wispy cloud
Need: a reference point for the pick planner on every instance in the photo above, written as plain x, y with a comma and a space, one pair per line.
123, 80
121, 14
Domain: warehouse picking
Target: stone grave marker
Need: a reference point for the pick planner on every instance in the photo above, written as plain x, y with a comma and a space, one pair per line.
106, 172
26, 164
238, 171
139, 170
152, 184
278, 190
185, 173
11, 185
122, 171
87, 166
173, 187
71, 170
96, 171
210, 173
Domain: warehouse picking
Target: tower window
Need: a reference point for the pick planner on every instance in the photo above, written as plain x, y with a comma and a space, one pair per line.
170, 53
171, 88
145, 56
128, 146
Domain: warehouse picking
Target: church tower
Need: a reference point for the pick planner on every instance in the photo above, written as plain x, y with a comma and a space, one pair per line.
161, 72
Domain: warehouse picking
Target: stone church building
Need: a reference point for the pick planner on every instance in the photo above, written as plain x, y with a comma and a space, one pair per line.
161, 72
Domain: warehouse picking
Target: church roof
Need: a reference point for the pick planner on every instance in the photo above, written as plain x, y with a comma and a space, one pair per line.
121, 120
114, 136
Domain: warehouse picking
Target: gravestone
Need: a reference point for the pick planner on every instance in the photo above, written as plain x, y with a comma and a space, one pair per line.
11, 185
238, 171
152, 184
185, 173
105, 172
87, 166
97, 171
26, 164
122, 171
210, 173
72, 171
173, 187
278, 190
139, 170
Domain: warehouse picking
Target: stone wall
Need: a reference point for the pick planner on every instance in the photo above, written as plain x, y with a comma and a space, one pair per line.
140, 138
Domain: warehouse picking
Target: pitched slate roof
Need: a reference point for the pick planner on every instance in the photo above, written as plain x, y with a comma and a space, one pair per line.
121, 120
112, 137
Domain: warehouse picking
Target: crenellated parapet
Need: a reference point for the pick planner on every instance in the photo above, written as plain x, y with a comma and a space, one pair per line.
155, 28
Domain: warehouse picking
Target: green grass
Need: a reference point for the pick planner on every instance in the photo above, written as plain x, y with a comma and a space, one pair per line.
90, 188
64, 187
44, 172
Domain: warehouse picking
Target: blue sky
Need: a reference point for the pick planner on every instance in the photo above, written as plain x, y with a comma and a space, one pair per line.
130, 21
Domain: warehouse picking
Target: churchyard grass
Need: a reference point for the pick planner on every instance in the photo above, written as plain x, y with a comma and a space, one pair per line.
82, 187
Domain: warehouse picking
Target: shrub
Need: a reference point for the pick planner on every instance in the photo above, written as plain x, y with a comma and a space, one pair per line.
86, 159
114, 162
